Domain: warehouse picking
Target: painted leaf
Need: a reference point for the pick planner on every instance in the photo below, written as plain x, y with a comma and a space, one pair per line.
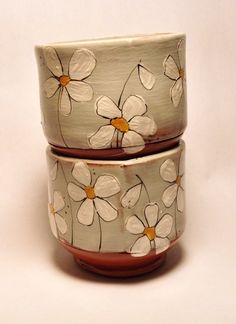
146, 77
131, 197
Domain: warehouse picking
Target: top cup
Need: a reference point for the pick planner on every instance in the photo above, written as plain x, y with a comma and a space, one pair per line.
113, 98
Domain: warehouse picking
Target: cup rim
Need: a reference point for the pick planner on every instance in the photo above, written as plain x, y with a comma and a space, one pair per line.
135, 39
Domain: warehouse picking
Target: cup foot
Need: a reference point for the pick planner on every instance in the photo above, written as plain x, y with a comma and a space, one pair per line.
118, 265
122, 273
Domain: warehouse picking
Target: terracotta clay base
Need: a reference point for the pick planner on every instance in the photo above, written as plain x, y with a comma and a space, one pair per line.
117, 265
117, 153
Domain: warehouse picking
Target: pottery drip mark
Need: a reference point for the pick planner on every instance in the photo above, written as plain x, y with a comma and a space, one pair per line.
93, 198
175, 191
152, 235
57, 222
176, 73
128, 126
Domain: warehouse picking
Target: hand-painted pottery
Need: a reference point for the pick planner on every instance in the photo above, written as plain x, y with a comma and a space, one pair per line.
113, 98
117, 218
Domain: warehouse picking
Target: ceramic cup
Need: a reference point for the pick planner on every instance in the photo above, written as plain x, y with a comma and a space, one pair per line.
118, 218
113, 98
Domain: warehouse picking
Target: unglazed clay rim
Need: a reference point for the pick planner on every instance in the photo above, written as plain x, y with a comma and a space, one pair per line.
121, 40
125, 162
116, 153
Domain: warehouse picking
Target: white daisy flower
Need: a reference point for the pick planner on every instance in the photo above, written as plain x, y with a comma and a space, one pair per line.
176, 73
92, 197
176, 190
153, 235
71, 83
55, 205
127, 121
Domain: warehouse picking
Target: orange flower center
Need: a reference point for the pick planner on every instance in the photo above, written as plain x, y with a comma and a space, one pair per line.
90, 192
181, 73
178, 180
51, 208
121, 124
64, 80
150, 232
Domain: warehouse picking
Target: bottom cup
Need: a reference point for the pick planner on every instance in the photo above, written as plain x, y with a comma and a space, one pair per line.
118, 218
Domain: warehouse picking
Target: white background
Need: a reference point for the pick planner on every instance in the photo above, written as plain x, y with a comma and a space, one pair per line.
39, 282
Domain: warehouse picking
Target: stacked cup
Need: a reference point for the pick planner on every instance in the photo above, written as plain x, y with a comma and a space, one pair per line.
113, 112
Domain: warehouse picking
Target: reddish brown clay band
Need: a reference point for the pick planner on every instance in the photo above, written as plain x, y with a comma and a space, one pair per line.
117, 153
117, 264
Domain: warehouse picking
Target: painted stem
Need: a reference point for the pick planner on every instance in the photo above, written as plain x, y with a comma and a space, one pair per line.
144, 186
123, 89
100, 230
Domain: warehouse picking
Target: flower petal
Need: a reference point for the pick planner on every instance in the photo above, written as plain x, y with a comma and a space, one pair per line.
181, 164
106, 186
80, 91
65, 103
143, 125
164, 226
58, 201
181, 52
132, 142
131, 196
105, 210
168, 171
133, 106
53, 171
85, 212
82, 63
52, 61
51, 86
75, 192
141, 247
151, 214
180, 199
182, 182
82, 173
171, 69
146, 77
169, 195
52, 223
134, 225
161, 244
102, 138
61, 223
107, 108
176, 92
